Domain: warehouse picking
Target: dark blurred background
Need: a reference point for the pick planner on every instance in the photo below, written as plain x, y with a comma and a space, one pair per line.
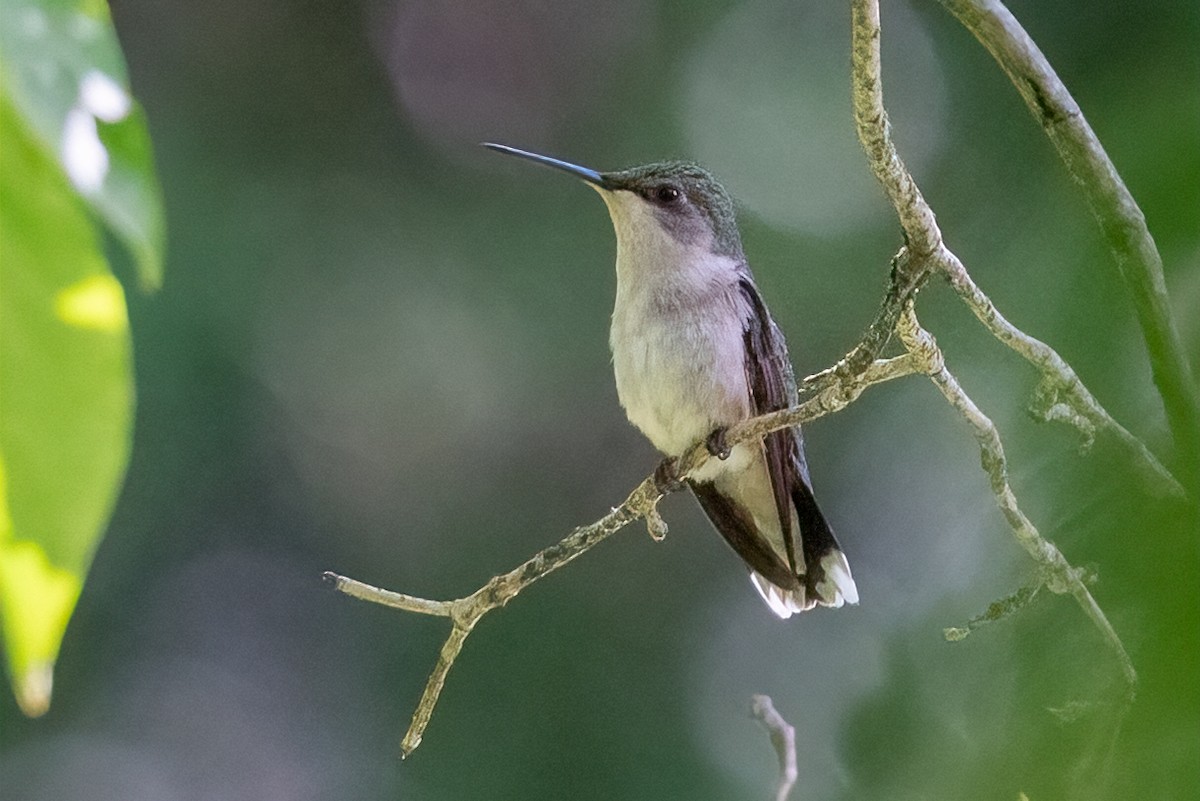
382, 350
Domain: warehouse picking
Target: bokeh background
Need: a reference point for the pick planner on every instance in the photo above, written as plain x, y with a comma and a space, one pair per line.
381, 350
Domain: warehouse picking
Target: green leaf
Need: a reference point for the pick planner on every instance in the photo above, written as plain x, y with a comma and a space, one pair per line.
75, 148
66, 403
63, 72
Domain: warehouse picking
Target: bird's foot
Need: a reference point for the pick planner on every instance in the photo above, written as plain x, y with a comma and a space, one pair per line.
716, 444
666, 476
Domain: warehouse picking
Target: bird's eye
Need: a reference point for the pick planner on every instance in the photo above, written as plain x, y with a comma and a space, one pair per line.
667, 194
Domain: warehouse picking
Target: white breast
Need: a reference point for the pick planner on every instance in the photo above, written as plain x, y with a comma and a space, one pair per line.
677, 334
677, 377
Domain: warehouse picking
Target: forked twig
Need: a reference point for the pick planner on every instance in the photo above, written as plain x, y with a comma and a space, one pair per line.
920, 226
1061, 395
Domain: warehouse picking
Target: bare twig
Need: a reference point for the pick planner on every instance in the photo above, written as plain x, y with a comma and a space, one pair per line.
1061, 394
997, 610
783, 740
1059, 576
465, 612
1118, 214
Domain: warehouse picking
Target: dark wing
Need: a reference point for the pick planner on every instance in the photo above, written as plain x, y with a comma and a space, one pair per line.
773, 387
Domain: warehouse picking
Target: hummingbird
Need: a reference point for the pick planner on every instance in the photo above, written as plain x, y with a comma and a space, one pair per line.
695, 351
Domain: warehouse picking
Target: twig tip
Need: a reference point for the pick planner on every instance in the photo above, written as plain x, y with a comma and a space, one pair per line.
407, 747
955, 633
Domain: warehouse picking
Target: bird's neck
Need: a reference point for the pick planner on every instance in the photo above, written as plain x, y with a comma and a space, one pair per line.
652, 272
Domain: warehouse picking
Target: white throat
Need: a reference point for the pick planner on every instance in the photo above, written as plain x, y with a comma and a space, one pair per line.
651, 260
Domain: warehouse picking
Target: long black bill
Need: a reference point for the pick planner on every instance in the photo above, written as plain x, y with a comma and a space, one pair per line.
591, 176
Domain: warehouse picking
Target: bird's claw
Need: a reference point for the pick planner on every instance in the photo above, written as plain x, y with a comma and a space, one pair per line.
716, 444
666, 476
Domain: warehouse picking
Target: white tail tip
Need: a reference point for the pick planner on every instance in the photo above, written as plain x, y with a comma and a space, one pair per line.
836, 589
838, 586
784, 603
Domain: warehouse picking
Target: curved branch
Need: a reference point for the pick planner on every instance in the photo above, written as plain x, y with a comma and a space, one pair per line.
926, 252
874, 132
1057, 574
1061, 394
917, 260
1118, 214
908, 274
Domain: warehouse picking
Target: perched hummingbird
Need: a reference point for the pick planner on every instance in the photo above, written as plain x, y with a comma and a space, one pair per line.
695, 351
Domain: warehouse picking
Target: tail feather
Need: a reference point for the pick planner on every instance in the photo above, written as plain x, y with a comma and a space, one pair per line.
837, 587
822, 577
784, 603
827, 572
834, 589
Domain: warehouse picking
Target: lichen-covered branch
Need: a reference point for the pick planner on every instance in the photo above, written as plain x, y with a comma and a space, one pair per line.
908, 274
641, 504
1056, 573
997, 610
783, 740
921, 232
465, 612
1120, 218
1061, 395
926, 253
919, 257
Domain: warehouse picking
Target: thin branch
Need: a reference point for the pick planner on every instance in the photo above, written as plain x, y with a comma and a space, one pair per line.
917, 260
395, 600
1058, 575
1061, 394
642, 503
466, 612
921, 232
1118, 214
783, 740
908, 274
997, 610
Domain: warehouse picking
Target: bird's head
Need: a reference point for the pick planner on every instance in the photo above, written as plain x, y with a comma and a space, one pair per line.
674, 201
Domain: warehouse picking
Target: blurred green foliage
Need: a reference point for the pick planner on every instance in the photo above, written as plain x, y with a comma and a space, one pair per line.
383, 352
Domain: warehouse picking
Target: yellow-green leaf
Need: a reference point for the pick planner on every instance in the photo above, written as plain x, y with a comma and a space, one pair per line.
66, 403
